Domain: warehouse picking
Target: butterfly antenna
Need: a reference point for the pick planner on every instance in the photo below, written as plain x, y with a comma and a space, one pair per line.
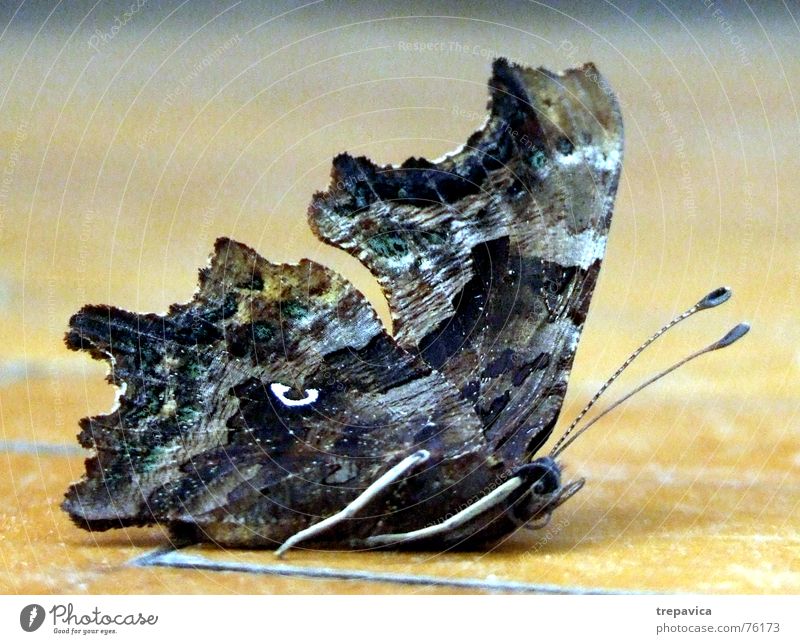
732, 336
714, 298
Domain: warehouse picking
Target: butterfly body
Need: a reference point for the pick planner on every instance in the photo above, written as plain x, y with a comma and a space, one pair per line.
275, 398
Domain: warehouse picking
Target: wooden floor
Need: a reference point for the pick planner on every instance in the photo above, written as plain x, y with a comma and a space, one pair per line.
117, 175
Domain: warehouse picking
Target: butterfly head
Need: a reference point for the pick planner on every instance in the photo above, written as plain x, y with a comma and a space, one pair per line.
542, 476
540, 492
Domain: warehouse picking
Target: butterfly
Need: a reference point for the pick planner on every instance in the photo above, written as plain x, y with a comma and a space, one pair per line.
275, 409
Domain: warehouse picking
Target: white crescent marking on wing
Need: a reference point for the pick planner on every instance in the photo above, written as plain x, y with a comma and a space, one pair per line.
280, 393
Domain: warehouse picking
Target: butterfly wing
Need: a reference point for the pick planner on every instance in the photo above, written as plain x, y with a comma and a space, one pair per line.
275, 397
269, 401
489, 257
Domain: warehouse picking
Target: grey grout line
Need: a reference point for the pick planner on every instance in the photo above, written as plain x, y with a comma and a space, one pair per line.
29, 447
170, 558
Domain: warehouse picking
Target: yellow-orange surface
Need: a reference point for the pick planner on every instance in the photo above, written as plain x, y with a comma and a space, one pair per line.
121, 174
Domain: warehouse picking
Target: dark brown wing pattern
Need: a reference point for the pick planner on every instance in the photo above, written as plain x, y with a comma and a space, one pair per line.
211, 430
489, 258
274, 397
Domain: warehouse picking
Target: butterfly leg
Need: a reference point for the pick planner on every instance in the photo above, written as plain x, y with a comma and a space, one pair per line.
539, 523
494, 498
567, 492
352, 508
